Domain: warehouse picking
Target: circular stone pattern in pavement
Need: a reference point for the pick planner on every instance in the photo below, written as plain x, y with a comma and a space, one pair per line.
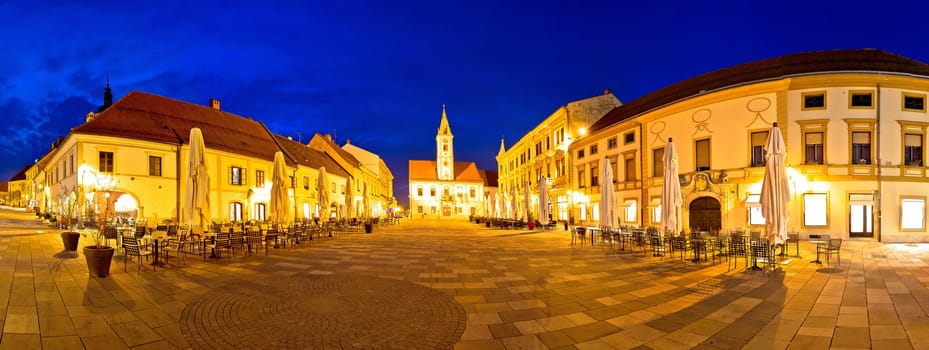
323, 312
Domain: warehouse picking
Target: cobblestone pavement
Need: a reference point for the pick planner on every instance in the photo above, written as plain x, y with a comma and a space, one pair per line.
518, 290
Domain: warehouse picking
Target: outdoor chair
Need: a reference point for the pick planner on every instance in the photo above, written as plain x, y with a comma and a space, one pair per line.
656, 245
736, 250
678, 244
134, 249
833, 248
110, 233
792, 238
763, 254
578, 233
606, 235
175, 244
252, 239
220, 243
237, 240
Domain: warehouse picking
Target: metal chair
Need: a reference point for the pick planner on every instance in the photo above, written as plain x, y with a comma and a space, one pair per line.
737, 250
579, 233
833, 248
132, 248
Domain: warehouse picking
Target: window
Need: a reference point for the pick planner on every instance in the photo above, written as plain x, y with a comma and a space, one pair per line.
815, 209
913, 214
582, 208
445, 192
559, 167
106, 162
914, 102
432, 191
595, 211
306, 210
259, 178
306, 182
813, 147
235, 211
260, 211
419, 191
630, 169
594, 176
758, 140
548, 143
702, 150
444, 148
861, 147
753, 203
611, 143
630, 210
580, 153
332, 187
913, 150
593, 149
473, 192
580, 178
538, 148
432, 210
814, 100
419, 209
628, 138
236, 176
154, 166
860, 99
658, 162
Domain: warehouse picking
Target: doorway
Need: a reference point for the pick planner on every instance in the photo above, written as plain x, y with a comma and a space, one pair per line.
705, 214
861, 215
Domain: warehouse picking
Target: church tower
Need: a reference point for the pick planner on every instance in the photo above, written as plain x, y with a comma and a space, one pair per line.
445, 155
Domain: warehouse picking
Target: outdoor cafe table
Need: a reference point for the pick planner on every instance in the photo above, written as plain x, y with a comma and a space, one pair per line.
818, 243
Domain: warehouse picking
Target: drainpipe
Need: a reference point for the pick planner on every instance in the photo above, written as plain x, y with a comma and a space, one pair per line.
880, 182
177, 171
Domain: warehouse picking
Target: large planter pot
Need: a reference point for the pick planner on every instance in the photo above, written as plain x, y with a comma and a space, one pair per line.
369, 228
531, 225
98, 260
70, 240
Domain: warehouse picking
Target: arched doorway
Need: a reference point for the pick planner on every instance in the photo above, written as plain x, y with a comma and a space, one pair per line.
705, 214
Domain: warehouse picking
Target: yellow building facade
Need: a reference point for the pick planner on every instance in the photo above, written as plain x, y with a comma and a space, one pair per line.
129, 161
543, 153
854, 122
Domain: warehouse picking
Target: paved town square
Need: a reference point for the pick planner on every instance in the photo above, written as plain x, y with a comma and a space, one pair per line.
433, 284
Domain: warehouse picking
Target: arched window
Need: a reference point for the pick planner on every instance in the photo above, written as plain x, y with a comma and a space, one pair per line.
260, 211
235, 211
306, 210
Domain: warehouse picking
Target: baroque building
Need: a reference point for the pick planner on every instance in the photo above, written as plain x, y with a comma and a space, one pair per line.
445, 187
854, 121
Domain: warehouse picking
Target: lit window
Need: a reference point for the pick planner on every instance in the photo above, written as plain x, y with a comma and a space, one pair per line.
580, 178
419, 191
594, 176
815, 209
236, 176
235, 211
583, 211
814, 147
260, 211
758, 140
631, 211
154, 166
596, 211
106, 162
432, 191
753, 203
259, 178
306, 182
630, 168
913, 214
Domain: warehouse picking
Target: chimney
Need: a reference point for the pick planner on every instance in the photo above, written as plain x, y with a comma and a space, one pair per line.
605, 92
90, 117
290, 138
214, 103
348, 141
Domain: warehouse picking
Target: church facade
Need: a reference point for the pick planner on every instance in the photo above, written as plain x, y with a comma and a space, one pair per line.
444, 187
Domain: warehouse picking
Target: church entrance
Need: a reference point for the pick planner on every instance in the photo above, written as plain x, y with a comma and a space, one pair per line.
705, 214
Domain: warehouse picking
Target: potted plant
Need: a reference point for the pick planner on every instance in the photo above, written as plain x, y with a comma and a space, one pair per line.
100, 255
369, 226
530, 222
70, 237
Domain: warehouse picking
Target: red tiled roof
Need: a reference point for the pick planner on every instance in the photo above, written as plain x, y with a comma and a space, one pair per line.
426, 170
767, 69
489, 177
145, 116
308, 157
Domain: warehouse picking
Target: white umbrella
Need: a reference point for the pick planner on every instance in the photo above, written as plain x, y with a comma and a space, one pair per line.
197, 194
670, 192
280, 203
607, 197
498, 210
322, 189
364, 200
775, 192
527, 205
514, 212
349, 198
543, 201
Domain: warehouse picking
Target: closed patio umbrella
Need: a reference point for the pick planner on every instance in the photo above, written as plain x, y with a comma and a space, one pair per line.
349, 198
543, 201
775, 191
197, 193
607, 197
364, 201
322, 196
527, 205
280, 202
671, 192
498, 210
514, 209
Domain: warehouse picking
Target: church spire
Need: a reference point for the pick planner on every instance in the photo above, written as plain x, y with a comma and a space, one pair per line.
502, 146
107, 96
444, 129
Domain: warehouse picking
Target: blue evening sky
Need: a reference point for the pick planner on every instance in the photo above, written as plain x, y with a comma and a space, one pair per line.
378, 72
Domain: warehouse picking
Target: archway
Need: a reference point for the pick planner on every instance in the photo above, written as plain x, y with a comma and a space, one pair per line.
705, 214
